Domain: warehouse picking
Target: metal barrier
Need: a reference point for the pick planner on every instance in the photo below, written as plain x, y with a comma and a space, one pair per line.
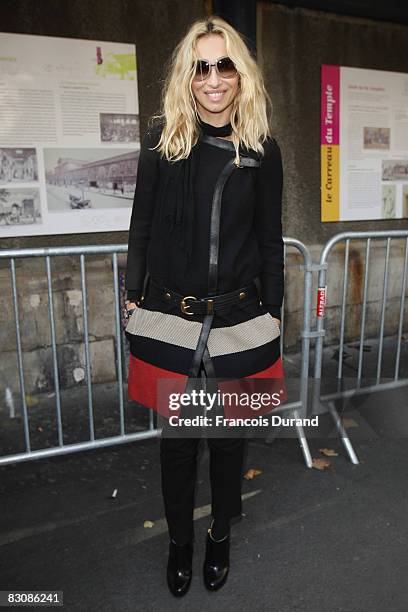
323, 268
306, 334
82, 252
62, 448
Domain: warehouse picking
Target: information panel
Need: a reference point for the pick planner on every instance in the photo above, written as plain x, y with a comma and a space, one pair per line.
69, 135
364, 144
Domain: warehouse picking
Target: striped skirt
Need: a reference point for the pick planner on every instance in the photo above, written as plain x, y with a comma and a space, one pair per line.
243, 344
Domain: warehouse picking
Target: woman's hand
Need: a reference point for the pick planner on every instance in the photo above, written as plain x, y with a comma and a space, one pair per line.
277, 321
129, 308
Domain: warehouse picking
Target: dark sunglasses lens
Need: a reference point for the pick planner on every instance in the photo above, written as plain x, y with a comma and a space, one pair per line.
202, 69
226, 67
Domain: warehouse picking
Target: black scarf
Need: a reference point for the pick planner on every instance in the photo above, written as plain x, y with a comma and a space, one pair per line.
177, 199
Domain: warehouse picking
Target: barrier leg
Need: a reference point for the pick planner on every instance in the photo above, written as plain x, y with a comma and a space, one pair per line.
303, 441
344, 437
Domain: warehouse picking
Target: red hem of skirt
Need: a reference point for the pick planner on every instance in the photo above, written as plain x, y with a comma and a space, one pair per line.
144, 387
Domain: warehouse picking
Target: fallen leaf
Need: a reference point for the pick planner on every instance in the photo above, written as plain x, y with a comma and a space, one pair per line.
148, 524
349, 423
251, 473
320, 464
329, 452
31, 400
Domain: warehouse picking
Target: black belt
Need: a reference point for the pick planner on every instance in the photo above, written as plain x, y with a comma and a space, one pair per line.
201, 352
190, 304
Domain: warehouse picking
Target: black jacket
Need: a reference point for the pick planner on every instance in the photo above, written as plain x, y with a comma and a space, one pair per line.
251, 242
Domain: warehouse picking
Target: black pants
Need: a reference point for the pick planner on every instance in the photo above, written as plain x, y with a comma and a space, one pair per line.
178, 458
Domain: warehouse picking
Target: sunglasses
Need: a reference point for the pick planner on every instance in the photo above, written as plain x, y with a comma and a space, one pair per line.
224, 66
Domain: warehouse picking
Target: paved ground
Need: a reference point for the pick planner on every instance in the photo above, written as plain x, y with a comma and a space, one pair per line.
309, 540
332, 540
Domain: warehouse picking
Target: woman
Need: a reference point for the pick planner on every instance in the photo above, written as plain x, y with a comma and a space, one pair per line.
205, 267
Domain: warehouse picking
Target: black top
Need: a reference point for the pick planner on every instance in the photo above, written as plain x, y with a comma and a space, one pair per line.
251, 242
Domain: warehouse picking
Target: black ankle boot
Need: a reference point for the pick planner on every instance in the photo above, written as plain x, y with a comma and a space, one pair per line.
179, 567
216, 563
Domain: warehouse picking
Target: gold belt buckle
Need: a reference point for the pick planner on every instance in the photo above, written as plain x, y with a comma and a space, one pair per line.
184, 306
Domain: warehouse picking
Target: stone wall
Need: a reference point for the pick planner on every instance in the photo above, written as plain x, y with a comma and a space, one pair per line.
292, 45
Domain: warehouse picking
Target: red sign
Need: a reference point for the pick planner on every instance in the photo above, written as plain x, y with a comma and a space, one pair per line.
321, 301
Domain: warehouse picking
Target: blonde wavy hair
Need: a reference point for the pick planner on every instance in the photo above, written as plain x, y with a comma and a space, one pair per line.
252, 105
